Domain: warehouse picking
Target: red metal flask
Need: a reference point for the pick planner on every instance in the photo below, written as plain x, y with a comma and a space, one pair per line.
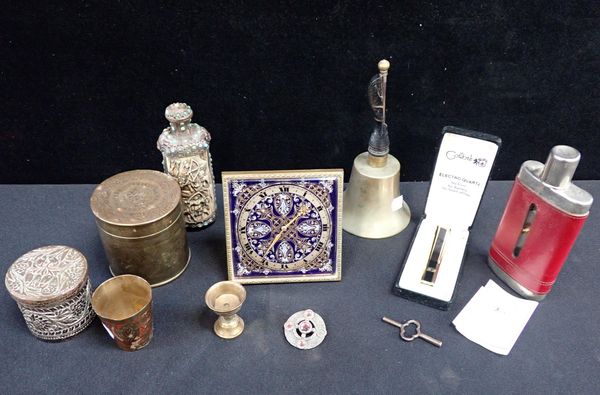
542, 219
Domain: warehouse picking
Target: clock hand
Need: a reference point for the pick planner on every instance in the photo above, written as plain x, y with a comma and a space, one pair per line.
274, 241
283, 230
301, 211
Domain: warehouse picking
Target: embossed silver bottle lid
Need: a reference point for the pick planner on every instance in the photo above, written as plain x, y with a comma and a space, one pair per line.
178, 113
47, 275
182, 136
552, 180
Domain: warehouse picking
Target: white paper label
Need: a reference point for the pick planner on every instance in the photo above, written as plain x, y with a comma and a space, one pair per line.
397, 203
494, 319
109, 332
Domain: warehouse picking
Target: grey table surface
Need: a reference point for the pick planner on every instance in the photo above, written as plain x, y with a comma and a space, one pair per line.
558, 352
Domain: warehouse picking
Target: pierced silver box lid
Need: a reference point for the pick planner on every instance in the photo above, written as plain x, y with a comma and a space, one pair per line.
52, 289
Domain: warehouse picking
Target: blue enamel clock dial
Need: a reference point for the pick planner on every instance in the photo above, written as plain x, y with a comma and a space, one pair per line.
283, 226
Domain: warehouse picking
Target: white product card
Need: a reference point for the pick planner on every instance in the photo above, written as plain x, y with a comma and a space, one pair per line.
462, 169
494, 319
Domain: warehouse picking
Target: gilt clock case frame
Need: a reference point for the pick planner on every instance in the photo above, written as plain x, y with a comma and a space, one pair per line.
275, 177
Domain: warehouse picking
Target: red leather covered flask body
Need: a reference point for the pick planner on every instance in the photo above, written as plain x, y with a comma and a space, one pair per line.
542, 219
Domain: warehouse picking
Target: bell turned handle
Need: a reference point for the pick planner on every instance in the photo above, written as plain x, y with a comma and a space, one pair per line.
380, 160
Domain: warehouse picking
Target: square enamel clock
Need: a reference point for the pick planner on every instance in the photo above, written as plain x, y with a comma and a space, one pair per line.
283, 226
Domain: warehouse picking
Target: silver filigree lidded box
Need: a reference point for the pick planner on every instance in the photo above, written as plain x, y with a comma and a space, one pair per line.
53, 291
186, 157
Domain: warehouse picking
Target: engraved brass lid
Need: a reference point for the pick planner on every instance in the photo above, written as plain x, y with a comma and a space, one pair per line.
47, 275
135, 198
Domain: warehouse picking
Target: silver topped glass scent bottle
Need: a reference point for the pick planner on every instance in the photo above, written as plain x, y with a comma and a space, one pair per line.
186, 157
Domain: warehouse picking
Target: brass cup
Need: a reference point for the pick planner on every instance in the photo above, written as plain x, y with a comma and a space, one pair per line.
124, 304
225, 298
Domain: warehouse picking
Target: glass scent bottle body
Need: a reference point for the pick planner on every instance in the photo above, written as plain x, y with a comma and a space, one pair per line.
186, 157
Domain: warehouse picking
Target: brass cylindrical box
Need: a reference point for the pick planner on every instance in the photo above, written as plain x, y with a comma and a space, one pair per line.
140, 221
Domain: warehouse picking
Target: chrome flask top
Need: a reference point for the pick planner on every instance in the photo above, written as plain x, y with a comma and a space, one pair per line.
552, 181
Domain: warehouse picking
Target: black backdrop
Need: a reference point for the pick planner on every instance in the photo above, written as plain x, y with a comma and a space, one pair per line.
282, 85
